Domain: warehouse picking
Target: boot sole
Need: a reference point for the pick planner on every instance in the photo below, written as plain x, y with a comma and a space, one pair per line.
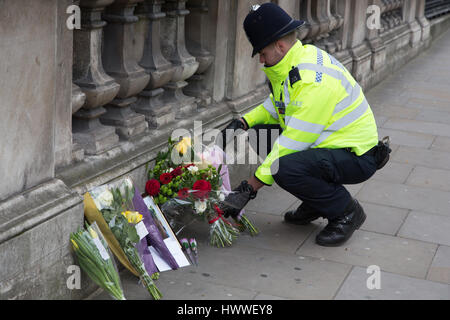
337, 244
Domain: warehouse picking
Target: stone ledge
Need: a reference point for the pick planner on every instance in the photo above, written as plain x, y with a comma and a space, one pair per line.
35, 206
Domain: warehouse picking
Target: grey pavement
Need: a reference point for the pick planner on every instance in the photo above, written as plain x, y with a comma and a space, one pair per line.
406, 233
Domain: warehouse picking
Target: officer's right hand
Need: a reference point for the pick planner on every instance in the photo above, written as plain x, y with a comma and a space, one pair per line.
233, 125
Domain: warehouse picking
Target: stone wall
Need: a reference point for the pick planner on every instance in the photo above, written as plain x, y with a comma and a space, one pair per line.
85, 107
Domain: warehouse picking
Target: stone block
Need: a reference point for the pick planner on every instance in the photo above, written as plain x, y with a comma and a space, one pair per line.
275, 234
434, 116
412, 139
419, 156
440, 267
383, 219
430, 178
425, 127
427, 227
392, 254
393, 287
407, 197
393, 172
441, 144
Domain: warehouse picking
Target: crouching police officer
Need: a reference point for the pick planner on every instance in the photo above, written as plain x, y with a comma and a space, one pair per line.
329, 135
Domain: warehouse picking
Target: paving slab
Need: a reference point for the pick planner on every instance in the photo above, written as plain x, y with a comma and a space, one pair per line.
392, 254
440, 267
383, 219
268, 272
275, 234
427, 227
430, 178
432, 128
393, 287
441, 144
404, 138
434, 116
427, 104
427, 158
273, 200
393, 171
407, 197
389, 110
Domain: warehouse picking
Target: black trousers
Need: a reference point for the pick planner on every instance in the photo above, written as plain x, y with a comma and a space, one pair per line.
316, 176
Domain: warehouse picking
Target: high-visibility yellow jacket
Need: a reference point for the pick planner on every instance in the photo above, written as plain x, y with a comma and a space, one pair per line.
323, 108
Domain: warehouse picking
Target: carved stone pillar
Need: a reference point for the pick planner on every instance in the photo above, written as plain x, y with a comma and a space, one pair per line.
120, 63
174, 49
424, 24
306, 10
150, 103
197, 28
89, 75
78, 99
376, 45
409, 10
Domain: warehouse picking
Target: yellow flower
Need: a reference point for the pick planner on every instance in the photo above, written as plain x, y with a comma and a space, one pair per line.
132, 216
74, 244
183, 145
93, 233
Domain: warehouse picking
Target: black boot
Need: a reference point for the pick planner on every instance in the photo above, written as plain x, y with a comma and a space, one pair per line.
341, 229
303, 215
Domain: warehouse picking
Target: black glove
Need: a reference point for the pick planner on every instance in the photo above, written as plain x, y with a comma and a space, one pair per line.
233, 125
238, 199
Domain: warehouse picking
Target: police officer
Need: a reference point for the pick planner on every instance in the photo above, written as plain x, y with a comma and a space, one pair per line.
329, 135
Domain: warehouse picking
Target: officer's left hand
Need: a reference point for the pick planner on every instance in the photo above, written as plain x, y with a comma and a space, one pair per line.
238, 199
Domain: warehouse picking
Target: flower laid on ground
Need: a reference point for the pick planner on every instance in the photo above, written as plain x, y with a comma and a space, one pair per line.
195, 189
194, 249
95, 259
125, 224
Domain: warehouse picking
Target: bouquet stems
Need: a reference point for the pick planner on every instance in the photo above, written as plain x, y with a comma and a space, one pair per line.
147, 281
244, 224
101, 271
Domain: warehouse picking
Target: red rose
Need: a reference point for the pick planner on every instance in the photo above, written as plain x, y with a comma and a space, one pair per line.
165, 178
152, 187
176, 172
202, 189
183, 193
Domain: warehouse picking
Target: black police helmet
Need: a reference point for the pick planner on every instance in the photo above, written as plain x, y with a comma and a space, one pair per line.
266, 24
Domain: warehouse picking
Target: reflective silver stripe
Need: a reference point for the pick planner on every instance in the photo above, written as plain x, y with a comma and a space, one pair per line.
353, 95
343, 122
304, 125
287, 98
352, 91
292, 144
268, 105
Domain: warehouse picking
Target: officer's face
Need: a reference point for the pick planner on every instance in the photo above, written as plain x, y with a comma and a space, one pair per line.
271, 55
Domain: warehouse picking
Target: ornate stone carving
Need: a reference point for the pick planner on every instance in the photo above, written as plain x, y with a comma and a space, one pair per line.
150, 103
174, 49
197, 27
89, 75
120, 63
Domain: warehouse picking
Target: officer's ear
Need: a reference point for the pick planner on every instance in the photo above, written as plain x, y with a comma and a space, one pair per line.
282, 46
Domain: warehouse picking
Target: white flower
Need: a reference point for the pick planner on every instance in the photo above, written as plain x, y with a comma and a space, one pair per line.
200, 206
193, 169
221, 197
105, 199
170, 170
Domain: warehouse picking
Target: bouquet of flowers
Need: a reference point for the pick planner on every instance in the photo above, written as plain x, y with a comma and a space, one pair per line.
127, 227
94, 258
189, 190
